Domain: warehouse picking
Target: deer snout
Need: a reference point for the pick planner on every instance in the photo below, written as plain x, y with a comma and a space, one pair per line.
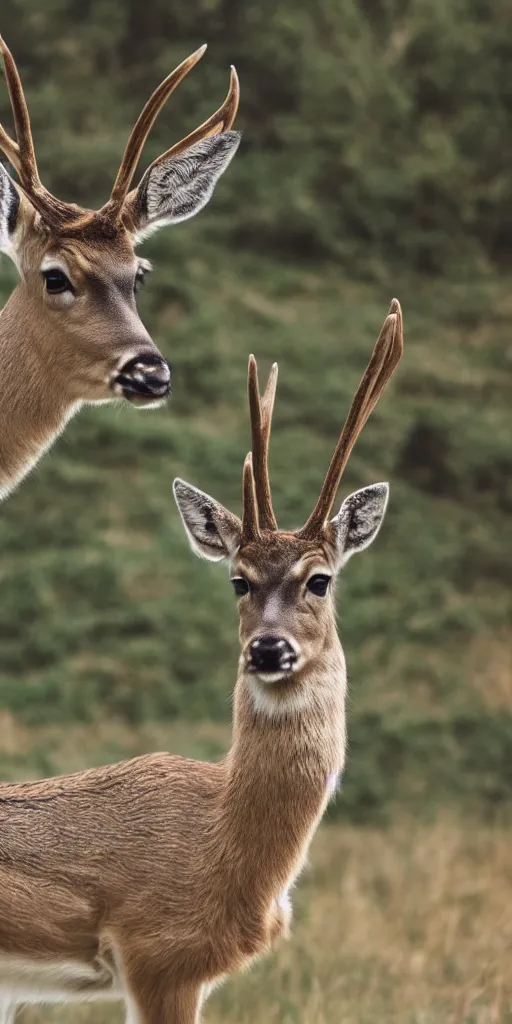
269, 654
144, 379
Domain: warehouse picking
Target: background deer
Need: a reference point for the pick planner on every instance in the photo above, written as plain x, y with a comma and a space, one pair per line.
153, 879
70, 333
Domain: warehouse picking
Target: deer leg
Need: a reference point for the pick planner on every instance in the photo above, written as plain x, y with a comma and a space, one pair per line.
7, 1012
158, 1004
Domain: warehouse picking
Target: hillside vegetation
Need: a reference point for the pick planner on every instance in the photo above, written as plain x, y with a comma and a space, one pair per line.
375, 162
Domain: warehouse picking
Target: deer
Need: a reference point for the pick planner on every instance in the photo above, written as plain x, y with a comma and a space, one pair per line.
154, 879
70, 333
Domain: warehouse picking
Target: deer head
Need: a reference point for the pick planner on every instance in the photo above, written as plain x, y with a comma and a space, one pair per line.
285, 580
78, 268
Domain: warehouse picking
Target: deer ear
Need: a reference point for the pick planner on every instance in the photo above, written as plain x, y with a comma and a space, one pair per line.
177, 187
359, 520
9, 210
213, 532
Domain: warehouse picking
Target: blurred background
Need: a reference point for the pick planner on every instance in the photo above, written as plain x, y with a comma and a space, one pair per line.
375, 162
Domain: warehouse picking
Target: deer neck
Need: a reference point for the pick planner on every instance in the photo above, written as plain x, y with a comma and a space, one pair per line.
33, 406
282, 767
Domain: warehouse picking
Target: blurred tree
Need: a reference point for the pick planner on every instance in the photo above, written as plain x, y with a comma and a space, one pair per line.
368, 123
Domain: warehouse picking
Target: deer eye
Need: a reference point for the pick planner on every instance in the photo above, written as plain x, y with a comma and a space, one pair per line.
56, 281
318, 584
240, 586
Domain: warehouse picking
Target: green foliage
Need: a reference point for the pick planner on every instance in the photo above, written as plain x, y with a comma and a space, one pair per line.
376, 140
374, 132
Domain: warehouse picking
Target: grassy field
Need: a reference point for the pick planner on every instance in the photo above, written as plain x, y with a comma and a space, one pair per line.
408, 924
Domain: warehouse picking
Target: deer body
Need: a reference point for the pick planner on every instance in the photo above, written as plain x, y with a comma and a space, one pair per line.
154, 879
70, 333
213, 851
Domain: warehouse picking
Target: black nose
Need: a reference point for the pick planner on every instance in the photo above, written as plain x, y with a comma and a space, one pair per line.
271, 654
145, 376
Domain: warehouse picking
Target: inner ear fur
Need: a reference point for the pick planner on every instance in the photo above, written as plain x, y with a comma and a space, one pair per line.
213, 531
10, 206
359, 520
180, 185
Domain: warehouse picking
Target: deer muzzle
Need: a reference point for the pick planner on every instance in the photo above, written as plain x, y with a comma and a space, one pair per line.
144, 379
269, 654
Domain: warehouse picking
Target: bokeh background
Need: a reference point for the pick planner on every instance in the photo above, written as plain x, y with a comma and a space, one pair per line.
375, 162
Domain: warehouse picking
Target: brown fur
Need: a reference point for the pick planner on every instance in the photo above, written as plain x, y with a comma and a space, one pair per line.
162, 874
53, 358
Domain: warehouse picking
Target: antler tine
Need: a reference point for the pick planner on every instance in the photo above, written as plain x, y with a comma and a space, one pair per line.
261, 422
220, 121
21, 154
23, 151
385, 358
250, 520
142, 128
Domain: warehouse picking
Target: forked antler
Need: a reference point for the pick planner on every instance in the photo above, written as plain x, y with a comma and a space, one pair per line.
21, 153
257, 502
220, 121
142, 128
385, 358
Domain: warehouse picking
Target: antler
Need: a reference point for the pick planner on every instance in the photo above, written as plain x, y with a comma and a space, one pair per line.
142, 128
221, 120
385, 358
261, 421
21, 154
250, 519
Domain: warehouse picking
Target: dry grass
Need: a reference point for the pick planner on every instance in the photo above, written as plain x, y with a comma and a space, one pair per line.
489, 663
410, 925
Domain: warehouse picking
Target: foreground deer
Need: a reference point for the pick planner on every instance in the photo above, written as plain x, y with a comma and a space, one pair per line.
70, 333
153, 879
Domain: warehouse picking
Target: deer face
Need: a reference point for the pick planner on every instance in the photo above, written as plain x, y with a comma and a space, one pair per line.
80, 295
78, 268
284, 584
284, 588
